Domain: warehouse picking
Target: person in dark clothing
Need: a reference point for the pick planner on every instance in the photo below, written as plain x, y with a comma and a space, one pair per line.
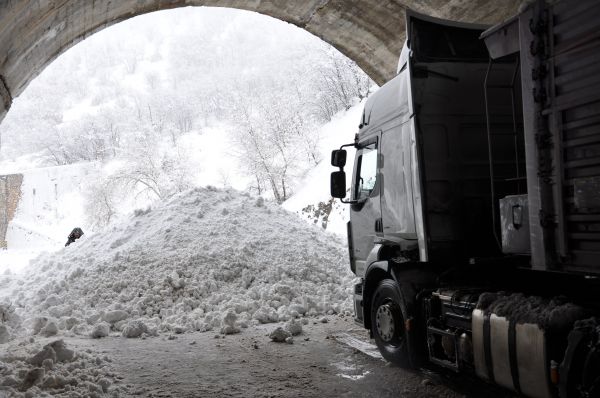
75, 234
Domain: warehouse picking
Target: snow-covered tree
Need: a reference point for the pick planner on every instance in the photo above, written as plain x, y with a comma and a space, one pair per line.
135, 91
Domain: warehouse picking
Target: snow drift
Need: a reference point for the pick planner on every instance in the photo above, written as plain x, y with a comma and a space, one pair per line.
207, 259
31, 369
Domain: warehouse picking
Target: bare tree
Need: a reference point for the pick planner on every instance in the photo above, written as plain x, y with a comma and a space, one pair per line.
101, 203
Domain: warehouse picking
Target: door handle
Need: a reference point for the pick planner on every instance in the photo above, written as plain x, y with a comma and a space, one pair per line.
379, 225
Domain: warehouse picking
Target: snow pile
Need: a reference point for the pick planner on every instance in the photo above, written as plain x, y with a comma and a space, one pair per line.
30, 369
207, 259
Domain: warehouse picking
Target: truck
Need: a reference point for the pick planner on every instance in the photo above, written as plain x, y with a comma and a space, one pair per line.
475, 201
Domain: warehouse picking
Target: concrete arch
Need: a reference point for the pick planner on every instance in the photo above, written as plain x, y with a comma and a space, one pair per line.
370, 32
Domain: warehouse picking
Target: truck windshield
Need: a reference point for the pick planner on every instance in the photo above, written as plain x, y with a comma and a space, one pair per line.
366, 172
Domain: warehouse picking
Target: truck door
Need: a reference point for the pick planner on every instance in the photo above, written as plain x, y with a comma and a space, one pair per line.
446, 68
366, 213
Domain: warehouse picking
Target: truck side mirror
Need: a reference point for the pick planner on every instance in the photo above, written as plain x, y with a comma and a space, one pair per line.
338, 183
338, 158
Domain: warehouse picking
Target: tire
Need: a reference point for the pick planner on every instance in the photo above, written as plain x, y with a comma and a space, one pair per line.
581, 367
387, 323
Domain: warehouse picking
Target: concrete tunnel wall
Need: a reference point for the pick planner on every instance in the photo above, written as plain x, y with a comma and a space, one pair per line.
370, 32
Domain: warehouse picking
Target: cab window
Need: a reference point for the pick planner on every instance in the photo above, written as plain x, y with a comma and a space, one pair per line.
366, 175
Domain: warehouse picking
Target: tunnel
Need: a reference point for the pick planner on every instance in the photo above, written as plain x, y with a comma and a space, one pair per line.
370, 32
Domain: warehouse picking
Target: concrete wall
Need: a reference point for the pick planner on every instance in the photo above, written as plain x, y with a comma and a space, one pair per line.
10, 194
370, 32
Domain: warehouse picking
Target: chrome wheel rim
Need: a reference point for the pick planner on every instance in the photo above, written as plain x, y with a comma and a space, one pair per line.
384, 321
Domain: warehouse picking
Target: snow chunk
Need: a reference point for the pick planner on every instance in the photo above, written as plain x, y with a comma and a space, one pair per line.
135, 329
46, 353
50, 329
293, 327
27, 371
63, 354
115, 316
228, 322
100, 330
4, 334
279, 335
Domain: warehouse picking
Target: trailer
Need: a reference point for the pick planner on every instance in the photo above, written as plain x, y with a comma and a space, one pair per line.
475, 201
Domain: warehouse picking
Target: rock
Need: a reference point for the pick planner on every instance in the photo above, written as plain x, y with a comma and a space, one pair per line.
279, 335
63, 354
172, 337
324, 320
46, 353
115, 316
289, 340
100, 330
135, 329
50, 329
4, 334
294, 327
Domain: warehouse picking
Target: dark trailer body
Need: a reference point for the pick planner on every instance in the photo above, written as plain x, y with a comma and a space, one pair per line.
475, 201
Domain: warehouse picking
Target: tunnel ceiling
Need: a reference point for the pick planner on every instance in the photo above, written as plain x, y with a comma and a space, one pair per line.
370, 32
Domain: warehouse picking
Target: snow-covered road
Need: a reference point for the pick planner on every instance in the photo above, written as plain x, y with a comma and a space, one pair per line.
250, 365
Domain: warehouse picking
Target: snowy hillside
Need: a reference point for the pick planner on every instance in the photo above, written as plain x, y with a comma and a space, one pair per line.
258, 87
51, 205
204, 260
312, 199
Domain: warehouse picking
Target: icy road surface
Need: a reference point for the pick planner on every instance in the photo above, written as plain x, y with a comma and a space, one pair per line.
250, 365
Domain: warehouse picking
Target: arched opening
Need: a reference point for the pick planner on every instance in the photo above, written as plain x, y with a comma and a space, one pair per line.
124, 297
131, 126
368, 32
192, 97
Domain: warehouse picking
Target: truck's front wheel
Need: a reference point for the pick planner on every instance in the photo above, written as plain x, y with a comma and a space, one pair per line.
387, 323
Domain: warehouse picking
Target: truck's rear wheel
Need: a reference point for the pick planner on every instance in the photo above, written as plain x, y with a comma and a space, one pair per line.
387, 323
580, 371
